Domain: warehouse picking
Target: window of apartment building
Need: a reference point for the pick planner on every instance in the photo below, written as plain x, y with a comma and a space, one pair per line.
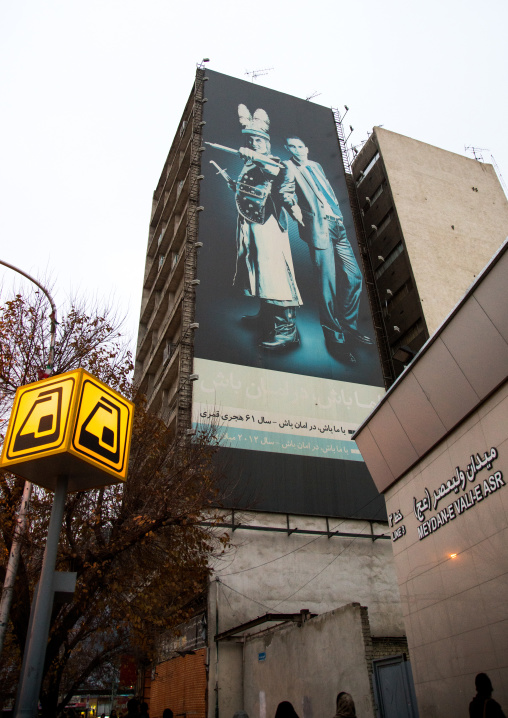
385, 221
365, 172
392, 299
389, 260
169, 350
381, 228
370, 200
161, 235
408, 336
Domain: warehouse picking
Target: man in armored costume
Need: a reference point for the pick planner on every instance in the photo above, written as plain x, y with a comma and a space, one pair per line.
264, 266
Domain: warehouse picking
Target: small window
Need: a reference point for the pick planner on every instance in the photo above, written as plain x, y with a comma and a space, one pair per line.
366, 171
398, 249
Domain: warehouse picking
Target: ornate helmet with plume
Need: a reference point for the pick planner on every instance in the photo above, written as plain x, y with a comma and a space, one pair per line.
257, 124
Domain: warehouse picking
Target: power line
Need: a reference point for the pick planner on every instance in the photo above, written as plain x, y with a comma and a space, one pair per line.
247, 597
317, 574
274, 608
298, 548
227, 599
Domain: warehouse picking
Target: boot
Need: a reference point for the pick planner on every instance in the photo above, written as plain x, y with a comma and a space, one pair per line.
254, 321
284, 334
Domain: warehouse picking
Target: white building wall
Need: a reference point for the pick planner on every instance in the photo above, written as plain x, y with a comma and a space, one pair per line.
266, 571
309, 665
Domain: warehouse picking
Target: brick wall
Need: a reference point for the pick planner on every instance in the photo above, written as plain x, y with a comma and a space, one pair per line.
180, 684
379, 647
367, 641
389, 646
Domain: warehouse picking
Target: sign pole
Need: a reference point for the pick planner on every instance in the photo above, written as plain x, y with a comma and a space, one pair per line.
35, 650
15, 553
59, 426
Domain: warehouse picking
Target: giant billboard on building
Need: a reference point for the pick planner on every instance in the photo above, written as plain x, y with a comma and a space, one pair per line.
285, 351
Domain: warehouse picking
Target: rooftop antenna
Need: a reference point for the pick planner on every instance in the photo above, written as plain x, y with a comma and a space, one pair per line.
201, 65
254, 74
356, 148
476, 152
314, 94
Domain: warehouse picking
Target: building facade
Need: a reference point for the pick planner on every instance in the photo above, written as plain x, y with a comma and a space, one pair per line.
309, 532
432, 220
164, 348
437, 448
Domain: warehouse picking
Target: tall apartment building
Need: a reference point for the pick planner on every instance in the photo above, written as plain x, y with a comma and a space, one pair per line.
432, 220
286, 413
309, 531
164, 348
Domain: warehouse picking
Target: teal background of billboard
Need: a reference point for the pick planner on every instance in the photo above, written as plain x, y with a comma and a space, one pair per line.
343, 491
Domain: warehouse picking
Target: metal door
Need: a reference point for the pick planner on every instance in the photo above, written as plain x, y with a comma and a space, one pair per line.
394, 691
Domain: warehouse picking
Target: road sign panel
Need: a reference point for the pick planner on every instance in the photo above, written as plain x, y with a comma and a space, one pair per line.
72, 425
40, 418
101, 427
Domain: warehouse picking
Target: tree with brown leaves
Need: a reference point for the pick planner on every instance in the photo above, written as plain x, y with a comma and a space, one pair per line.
140, 550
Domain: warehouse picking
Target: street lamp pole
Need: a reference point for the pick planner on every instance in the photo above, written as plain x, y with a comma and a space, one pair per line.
52, 316
21, 521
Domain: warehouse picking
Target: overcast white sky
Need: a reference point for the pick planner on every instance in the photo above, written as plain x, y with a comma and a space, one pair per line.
92, 91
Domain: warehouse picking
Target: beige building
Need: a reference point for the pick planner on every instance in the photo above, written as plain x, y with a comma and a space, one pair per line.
432, 220
437, 447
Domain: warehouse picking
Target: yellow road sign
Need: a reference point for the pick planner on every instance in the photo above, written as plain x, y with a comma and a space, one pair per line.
70, 424
100, 431
40, 418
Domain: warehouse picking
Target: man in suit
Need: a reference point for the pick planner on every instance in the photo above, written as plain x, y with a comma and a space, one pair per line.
310, 199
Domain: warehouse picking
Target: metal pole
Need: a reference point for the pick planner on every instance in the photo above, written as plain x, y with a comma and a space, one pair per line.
12, 566
35, 649
14, 555
52, 316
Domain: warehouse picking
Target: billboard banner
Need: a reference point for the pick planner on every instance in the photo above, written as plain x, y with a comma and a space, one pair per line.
285, 351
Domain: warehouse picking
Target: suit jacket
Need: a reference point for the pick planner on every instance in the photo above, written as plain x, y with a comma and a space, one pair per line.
297, 188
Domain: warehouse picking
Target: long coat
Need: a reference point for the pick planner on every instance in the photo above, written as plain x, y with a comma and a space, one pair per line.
264, 265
